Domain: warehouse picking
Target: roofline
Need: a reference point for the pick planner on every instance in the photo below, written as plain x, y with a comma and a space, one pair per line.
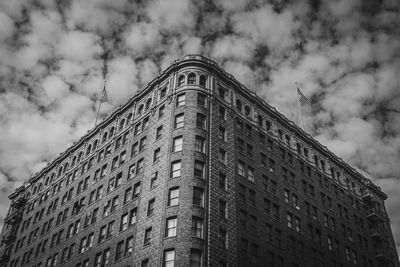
230, 78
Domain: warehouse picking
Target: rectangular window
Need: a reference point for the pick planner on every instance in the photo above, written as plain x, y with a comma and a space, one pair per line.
222, 113
169, 258
161, 111
134, 149
119, 250
147, 236
150, 207
180, 100
222, 240
176, 169
240, 167
177, 144
170, 227
222, 208
153, 180
142, 144
222, 156
156, 156
222, 181
197, 227
159, 132
129, 246
195, 258
201, 121
250, 173
173, 196
132, 217
124, 222
139, 168
222, 133
179, 121
136, 190
201, 100
163, 92
145, 123
198, 197
199, 169
200, 144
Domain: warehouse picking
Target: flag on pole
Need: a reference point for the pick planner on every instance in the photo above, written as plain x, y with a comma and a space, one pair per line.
302, 98
104, 97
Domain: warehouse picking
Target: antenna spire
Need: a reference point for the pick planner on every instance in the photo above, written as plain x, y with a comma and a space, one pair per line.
103, 97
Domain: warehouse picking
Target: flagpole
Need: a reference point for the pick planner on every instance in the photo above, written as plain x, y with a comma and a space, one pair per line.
298, 103
101, 101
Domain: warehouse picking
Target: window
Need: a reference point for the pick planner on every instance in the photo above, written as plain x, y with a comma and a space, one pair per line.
191, 78
222, 133
250, 173
222, 113
163, 92
203, 80
177, 144
136, 190
169, 258
222, 234
176, 169
222, 208
180, 100
147, 236
179, 121
124, 222
197, 227
156, 156
201, 100
150, 207
142, 144
201, 121
159, 132
119, 250
134, 149
195, 258
222, 156
240, 167
145, 123
132, 216
161, 111
200, 144
181, 80
139, 168
131, 171
199, 169
170, 227
222, 181
173, 196
153, 180
198, 197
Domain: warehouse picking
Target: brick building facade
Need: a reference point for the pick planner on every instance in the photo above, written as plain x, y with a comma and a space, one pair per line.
196, 170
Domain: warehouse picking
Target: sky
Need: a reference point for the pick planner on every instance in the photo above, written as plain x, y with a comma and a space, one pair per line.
345, 55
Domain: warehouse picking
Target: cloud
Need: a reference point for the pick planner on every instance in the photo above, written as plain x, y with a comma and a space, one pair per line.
343, 54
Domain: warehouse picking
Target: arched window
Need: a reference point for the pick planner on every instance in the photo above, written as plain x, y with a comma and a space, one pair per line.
104, 137
88, 149
268, 125
323, 165
287, 138
40, 187
316, 160
112, 130
66, 165
73, 161
52, 178
239, 105
203, 80
298, 146
35, 190
47, 181
280, 134
148, 103
305, 150
191, 78
59, 171
181, 80
247, 110
79, 156
121, 124
260, 120
95, 143
129, 118
140, 110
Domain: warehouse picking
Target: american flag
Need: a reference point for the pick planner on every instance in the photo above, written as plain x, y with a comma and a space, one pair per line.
302, 98
104, 97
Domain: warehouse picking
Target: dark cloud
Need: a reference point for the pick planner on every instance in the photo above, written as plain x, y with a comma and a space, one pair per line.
344, 55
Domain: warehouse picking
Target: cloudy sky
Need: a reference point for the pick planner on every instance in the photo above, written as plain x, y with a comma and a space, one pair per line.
344, 54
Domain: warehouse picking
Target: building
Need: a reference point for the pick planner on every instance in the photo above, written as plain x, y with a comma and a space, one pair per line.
196, 170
